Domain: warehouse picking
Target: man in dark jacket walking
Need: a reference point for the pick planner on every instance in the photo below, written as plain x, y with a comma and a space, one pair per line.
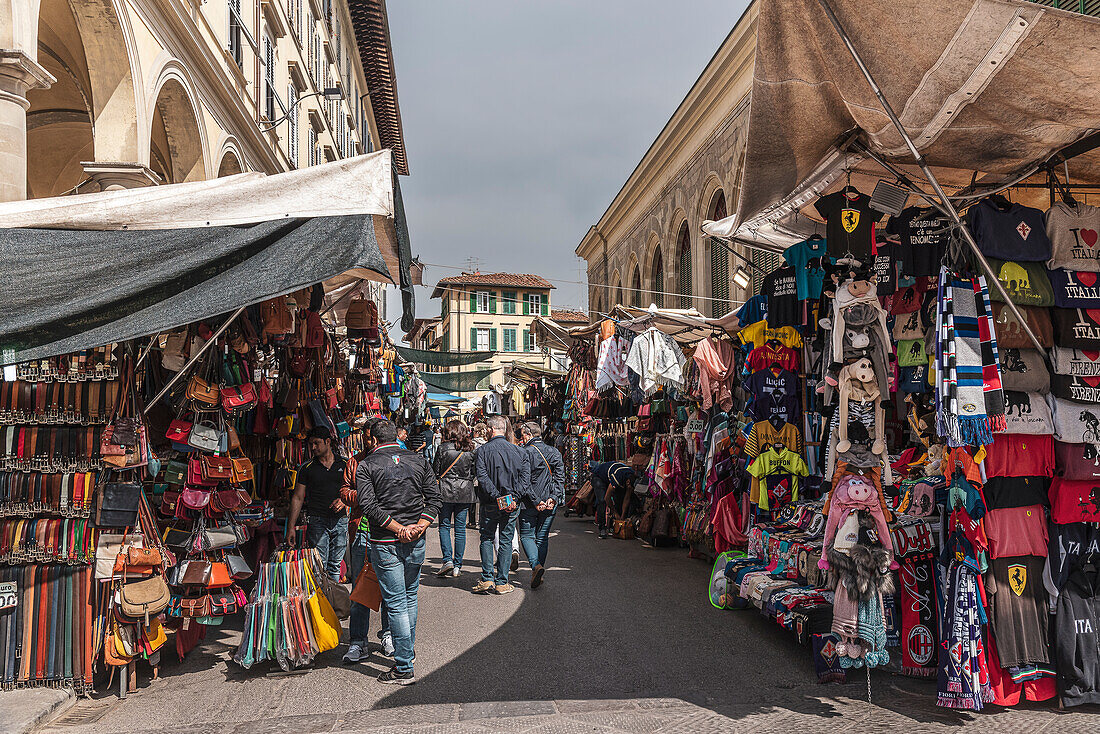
399, 496
502, 474
540, 500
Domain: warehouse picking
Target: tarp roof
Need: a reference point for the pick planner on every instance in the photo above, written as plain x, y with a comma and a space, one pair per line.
684, 325
86, 270
989, 86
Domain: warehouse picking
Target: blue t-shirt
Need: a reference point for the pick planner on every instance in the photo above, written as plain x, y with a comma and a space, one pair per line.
1075, 290
755, 309
799, 256
1009, 231
614, 473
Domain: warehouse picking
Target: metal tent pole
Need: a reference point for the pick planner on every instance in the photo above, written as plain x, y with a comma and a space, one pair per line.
194, 358
947, 207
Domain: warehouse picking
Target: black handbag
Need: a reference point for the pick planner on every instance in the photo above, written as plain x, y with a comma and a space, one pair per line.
238, 567
117, 506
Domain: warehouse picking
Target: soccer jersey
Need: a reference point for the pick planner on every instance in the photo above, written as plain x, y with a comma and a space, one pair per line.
759, 333
775, 477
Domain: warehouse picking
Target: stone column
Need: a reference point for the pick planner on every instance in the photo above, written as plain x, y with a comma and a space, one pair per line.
18, 73
115, 176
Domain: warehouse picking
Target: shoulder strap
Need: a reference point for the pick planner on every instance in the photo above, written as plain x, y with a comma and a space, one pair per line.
544, 461
452, 466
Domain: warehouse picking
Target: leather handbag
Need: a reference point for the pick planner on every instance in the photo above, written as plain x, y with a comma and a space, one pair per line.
179, 430
218, 537
117, 505
360, 315
142, 599
137, 558
239, 398
196, 606
243, 470
216, 469
204, 437
195, 498
226, 500
219, 576
622, 529
176, 538
233, 438
195, 573
238, 566
194, 474
201, 392
338, 596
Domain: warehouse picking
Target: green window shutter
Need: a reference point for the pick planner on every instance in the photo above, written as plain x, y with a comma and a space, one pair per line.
473, 302
473, 339
526, 306
492, 303
526, 340
492, 340
545, 308
446, 341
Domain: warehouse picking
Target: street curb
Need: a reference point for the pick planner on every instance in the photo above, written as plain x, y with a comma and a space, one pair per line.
28, 709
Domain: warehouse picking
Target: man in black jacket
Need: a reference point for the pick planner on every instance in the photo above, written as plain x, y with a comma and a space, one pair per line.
399, 496
502, 474
541, 498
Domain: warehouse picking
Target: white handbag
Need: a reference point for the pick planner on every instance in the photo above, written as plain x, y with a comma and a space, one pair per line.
204, 437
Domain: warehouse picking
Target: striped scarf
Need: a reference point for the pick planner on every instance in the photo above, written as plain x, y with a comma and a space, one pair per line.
969, 398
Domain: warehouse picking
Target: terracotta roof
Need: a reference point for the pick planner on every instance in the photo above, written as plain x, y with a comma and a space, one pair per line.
372, 33
568, 316
506, 280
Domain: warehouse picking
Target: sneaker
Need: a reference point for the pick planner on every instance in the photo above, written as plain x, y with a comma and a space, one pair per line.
394, 678
354, 654
387, 645
456, 571
515, 560
503, 589
483, 587
603, 533
446, 570
536, 576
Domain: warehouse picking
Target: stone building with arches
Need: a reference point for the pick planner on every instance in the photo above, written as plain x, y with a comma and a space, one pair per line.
648, 247
105, 94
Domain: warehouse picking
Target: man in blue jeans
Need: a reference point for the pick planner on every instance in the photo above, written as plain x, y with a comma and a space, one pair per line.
502, 475
399, 496
541, 498
318, 489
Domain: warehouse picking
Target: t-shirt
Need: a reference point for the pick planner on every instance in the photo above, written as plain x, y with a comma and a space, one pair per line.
1017, 531
786, 408
1073, 235
1004, 492
764, 433
1077, 461
1075, 290
913, 379
767, 381
911, 353
759, 332
849, 223
884, 265
909, 326
1011, 334
1080, 362
753, 310
1075, 422
777, 473
909, 298
1023, 370
799, 256
1077, 389
924, 234
322, 486
1018, 610
1027, 412
766, 354
1009, 231
1076, 328
784, 308
1027, 283
1074, 501
1019, 455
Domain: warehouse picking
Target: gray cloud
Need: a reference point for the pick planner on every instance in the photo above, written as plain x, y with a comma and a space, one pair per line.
522, 120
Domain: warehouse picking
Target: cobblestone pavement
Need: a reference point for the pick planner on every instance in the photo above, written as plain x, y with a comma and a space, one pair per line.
621, 638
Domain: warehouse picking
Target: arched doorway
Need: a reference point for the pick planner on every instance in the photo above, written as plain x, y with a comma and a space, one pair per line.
683, 250
176, 151
657, 277
719, 261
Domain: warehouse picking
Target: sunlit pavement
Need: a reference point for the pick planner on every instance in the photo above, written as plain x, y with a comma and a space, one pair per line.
620, 638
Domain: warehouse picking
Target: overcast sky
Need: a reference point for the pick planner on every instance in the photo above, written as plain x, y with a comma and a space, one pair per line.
523, 119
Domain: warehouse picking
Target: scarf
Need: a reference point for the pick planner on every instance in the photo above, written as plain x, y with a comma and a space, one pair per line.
716, 366
918, 615
962, 681
658, 361
871, 625
826, 661
969, 398
611, 365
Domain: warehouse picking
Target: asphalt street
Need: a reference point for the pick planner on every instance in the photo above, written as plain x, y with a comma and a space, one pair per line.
621, 637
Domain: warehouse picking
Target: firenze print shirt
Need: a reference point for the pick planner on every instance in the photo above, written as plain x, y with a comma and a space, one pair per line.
1079, 362
1077, 389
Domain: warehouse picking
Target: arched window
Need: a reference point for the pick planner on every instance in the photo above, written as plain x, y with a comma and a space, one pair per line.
658, 279
636, 288
719, 263
683, 248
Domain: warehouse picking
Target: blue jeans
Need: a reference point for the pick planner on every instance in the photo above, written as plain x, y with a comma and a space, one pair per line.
599, 491
329, 535
534, 534
492, 520
458, 513
359, 623
397, 566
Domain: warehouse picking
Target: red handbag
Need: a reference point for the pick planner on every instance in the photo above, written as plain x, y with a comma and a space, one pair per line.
179, 430
195, 498
195, 474
239, 398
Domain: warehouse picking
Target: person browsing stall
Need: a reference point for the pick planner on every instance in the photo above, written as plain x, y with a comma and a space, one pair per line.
502, 473
612, 484
318, 490
399, 496
540, 501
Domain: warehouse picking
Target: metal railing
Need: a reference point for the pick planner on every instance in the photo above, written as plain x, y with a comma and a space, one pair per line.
1085, 7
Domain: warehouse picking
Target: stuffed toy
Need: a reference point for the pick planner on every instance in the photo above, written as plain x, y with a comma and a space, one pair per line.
851, 494
857, 383
857, 290
933, 460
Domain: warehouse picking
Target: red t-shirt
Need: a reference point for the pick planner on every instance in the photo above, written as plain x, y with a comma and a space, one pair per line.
765, 355
1072, 501
1016, 531
1020, 455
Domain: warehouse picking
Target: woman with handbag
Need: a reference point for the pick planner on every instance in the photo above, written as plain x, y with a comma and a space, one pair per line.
454, 465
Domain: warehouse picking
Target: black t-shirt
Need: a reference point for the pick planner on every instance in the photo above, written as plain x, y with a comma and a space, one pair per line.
924, 235
885, 266
782, 291
765, 382
849, 223
322, 486
1004, 492
1078, 328
1077, 389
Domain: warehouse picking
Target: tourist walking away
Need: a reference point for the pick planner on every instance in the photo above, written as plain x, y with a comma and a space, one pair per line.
358, 531
399, 496
612, 483
317, 489
545, 491
479, 434
501, 473
454, 465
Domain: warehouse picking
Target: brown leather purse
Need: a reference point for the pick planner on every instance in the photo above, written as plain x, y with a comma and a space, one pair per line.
216, 468
202, 392
242, 470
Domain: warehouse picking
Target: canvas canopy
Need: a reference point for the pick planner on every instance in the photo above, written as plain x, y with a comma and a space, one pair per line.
684, 325
457, 381
442, 359
987, 87
86, 270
